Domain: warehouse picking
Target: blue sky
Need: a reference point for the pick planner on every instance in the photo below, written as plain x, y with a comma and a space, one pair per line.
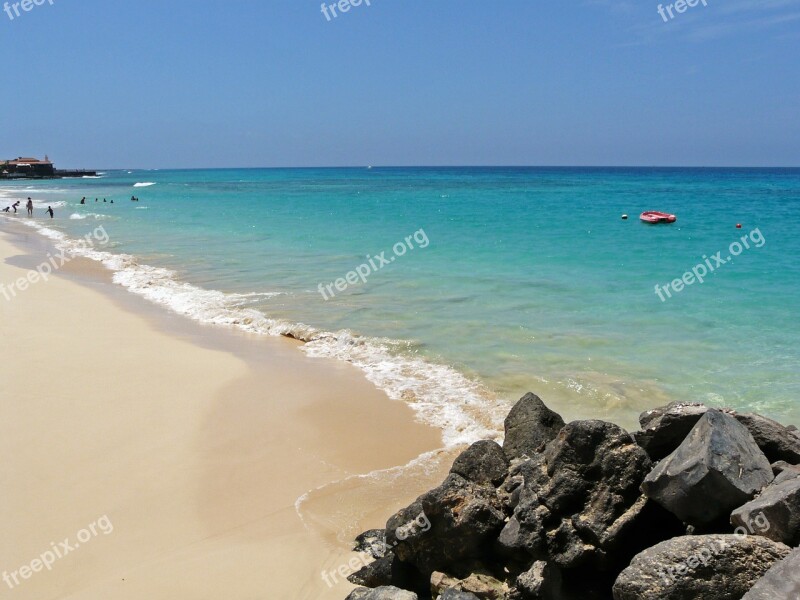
401, 82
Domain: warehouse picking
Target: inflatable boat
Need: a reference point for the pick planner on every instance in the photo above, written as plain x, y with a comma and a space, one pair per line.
653, 216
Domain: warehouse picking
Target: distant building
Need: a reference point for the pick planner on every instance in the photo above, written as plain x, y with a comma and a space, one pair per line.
33, 168
27, 167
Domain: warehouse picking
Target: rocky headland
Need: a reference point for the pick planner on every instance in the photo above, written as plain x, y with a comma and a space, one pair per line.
700, 503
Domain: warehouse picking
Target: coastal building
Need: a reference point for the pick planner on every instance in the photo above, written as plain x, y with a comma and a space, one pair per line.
33, 168
28, 167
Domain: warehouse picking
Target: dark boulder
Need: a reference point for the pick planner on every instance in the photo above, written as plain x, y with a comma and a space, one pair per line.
446, 527
711, 567
776, 441
716, 469
782, 466
580, 498
781, 581
530, 472
785, 472
529, 426
775, 513
665, 428
375, 574
381, 593
384, 571
483, 463
372, 542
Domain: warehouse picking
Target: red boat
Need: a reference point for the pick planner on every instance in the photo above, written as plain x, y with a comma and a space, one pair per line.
653, 216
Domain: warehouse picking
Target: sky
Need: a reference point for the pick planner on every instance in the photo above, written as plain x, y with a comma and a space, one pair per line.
264, 83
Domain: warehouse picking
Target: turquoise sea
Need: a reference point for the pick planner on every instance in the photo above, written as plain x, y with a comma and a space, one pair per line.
519, 278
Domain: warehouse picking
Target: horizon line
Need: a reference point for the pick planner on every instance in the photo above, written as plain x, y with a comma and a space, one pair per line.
512, 166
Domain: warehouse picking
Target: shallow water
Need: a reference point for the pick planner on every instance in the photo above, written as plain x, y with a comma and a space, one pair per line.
519, 279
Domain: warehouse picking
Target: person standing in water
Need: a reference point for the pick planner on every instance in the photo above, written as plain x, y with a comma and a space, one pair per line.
29, 206
50, 211
83, 200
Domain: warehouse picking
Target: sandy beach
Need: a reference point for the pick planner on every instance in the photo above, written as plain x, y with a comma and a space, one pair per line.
176, 460
502, 295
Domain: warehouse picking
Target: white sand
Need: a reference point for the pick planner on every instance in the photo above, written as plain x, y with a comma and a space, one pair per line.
196, 458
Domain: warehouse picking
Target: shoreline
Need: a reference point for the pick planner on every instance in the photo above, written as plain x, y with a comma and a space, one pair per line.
461, 405
211, 440
456, 395
586, 369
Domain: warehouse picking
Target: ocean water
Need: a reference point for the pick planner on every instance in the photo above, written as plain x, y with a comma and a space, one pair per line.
520, 279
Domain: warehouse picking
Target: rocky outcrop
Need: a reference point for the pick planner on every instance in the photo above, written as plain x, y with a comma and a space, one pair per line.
781, 581
579, 498
785, 473
580, 512
529, 426
717, 468
776, 441
482, 463
775, 514
384, 570
665, 428
447, 527
372, 542
711, 567
782, 466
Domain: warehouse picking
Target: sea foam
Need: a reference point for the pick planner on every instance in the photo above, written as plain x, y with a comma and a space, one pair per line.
438, 394
95, 216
